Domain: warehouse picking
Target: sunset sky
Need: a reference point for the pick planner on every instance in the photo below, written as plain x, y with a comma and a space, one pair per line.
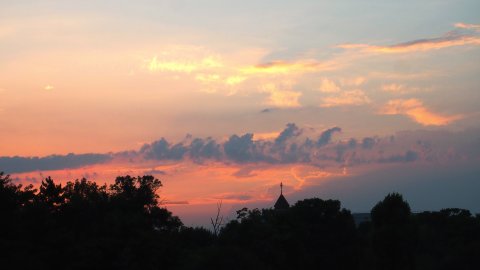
223, 100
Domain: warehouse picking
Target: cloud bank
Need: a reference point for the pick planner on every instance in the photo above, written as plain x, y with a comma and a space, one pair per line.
293, 145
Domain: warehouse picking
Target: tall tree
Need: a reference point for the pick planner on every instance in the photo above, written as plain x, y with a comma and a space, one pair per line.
394, 237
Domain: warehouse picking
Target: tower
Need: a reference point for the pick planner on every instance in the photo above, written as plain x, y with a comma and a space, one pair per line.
281, 201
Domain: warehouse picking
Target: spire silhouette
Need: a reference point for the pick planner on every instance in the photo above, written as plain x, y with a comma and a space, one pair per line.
281, 203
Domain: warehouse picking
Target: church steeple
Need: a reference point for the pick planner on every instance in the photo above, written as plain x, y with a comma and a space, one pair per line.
281, 201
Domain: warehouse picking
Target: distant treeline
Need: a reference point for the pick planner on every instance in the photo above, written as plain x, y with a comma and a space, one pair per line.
83, 225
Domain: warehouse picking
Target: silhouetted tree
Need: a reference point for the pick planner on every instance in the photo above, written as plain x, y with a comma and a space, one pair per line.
83, 225
309, 234
13, 197
50, 194
218, 222
137, 191
448, 239
393, 238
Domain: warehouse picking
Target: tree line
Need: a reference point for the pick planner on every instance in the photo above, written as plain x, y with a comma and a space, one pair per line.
83, 225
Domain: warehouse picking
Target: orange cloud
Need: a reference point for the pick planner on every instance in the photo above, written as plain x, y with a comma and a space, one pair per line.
282, 67
233, 80
394, 88
281, 98
156, 64
383, 75
303, 174
265, 136
415, 109
207, 77
329, 86
355, 81
352, 97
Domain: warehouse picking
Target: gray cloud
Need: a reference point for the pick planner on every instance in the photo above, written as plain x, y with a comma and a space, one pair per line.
245, 172
291, 131
267, 110
244, 149
155, 172
368, 143
291, 146
240, 197
167, 202
240, 149
53, 162
286, 150
352, 143
161, 150
409, 156
204, 149
326, 136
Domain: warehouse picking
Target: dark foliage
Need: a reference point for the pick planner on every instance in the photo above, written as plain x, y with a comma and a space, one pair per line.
83, 225
86, 226
393, 234
313, 232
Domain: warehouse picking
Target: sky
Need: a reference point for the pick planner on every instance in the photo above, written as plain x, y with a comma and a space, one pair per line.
223, 100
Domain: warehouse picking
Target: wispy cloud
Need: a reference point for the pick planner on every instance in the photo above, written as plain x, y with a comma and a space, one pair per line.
157, 64
415, 109
343, 92
233, 80
354, 81
283, 67
233, 197
468, 26
450, 39
207, 78
347, 98
169, 202
396, 88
